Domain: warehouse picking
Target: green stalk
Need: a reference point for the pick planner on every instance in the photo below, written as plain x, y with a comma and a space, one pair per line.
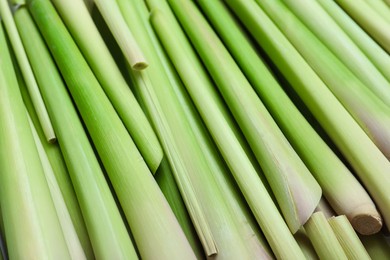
72, 241
348, 239
305, 244
95, 51
376, 246
31, 224
295, 189
108, 234
380, 7
28, 75
204, 95
367, 18
331, 35
152, 222
369, 163
323, 239
374, 52
340, 187
123, 35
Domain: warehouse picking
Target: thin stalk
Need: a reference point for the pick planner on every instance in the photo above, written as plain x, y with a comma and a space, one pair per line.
74, 246
295, 189
367, 18
28, 75
152, 222
95, 51
348, 239
376, 246
374, 52
323, 239
108, 234
31, 224
123, 35
380, 7
339, 186
369, 163
331, 35
204, 94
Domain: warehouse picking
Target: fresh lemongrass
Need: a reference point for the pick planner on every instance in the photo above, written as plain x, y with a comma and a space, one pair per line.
123, 35
153, 224
204, 95
330, 34
368, 110
168, 186
95, 51
339, 186
108, 234
369, 20
348, 239
380, 7
323, 238
31, 224
57, 163
305, 244
72, 240
369, 163
374, 52
28, 75
295, 189
376, 246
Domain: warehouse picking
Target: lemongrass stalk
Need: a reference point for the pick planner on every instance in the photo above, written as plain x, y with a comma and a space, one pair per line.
153, 224
339, 186
369, 163
323, 238
74, 246
380, 7
348, 239
95, 51
325, 208
168, 186
56, 159
204, 95
28, 75
89, 4
376, 246
370, 48
331, 35
295, 189
367, 18
31, 224
123, 35
108, 234
367, 109
305, 244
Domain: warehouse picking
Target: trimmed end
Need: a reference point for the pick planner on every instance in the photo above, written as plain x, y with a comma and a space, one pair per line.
52, 140
367, 224
140, 66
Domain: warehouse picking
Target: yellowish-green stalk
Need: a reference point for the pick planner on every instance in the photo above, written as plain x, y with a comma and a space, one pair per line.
380, 7
323, 238
205, 97
348, 239
305, 244
72, 240
330, 34
95, 51
369, 20
31, 224
376, 246
39, 105
371, 49
123, 35
338, 184
152, 222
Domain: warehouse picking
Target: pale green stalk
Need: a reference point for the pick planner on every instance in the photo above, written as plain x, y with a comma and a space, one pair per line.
330, 34
348, 239
295, 189
380, 7
123, 35
374, 52
305, 244
39, 105
95, 51
339, 186
108, 234
204, 96
153, 224
369, 163
72, 241
323, 238
376, 246
369, 20
31, 224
